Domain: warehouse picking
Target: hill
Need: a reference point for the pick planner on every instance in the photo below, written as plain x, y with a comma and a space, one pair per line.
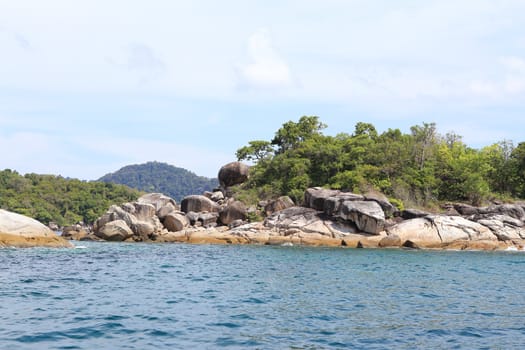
161, 177
49, 198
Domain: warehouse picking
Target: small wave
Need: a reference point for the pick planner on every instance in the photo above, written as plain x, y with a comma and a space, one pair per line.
515, 249
81, 247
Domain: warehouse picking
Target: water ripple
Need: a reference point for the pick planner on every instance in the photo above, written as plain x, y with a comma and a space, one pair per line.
147, 296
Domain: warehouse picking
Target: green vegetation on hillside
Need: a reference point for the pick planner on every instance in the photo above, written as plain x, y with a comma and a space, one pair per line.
53, 198
161, 177
420, 168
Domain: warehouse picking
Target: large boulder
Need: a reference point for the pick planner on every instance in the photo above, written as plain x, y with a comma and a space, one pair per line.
438, 231
295, 220
383, 201
21, 231
208, 220
175, 222
158, 200
368, 216
512, 210
233, 211
116, 231
144, 211
278, 204
503, 230
74, 232
234, 173
408, 214
316, 196
199, 204
332, 205
165, 210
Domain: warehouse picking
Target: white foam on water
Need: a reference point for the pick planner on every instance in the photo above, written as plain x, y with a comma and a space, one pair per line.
515, 249
81, 247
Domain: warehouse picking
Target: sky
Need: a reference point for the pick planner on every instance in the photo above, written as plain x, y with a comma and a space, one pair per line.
87, 87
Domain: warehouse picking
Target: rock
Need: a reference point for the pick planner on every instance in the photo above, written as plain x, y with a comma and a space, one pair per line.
236, 223
315, 197
438, 231
317, 239
383, 201
503, 218
21, 231
502, 230
421, 232
234, 173
214, 237
233, 211
453, 228
367, 215
144, 230
158, 200
465, 209
332, 205
217, 196
391, 241
117, 231
297, 219
198, 204
512, 210
279, 204
408, 214
175, 222
118, 213
74, 232
165, 210
192, 217
477, 245
208, 220
139, 217
144, 211
53, 226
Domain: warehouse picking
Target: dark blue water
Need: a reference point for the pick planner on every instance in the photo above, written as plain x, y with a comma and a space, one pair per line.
147, 296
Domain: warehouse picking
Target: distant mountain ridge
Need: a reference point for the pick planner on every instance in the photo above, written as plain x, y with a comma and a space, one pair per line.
161, 177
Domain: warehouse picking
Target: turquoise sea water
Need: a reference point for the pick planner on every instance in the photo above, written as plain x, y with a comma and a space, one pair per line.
171, 296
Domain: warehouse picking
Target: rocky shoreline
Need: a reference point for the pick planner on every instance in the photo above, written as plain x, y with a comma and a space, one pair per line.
328, 218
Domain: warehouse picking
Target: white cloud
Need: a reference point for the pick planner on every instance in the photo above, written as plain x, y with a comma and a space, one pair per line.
513, 63
266, 68
141, 60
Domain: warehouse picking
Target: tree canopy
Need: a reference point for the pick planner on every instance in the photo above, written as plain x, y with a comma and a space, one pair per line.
420, 168
54, 198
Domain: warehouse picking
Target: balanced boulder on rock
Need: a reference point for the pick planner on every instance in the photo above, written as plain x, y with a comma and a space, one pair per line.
234, 173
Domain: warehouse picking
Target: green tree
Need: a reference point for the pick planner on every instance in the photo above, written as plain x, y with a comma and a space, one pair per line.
291, 134
255, 151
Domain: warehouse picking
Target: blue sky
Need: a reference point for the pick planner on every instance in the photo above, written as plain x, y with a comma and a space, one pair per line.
87, 87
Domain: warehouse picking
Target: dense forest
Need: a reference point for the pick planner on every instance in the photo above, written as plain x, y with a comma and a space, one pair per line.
421, 168
161, 177
54, 198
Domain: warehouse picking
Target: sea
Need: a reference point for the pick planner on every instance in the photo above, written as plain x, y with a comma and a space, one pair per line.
181, 296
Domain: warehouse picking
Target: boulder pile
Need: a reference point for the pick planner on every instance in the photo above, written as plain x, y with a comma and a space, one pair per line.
328, 218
